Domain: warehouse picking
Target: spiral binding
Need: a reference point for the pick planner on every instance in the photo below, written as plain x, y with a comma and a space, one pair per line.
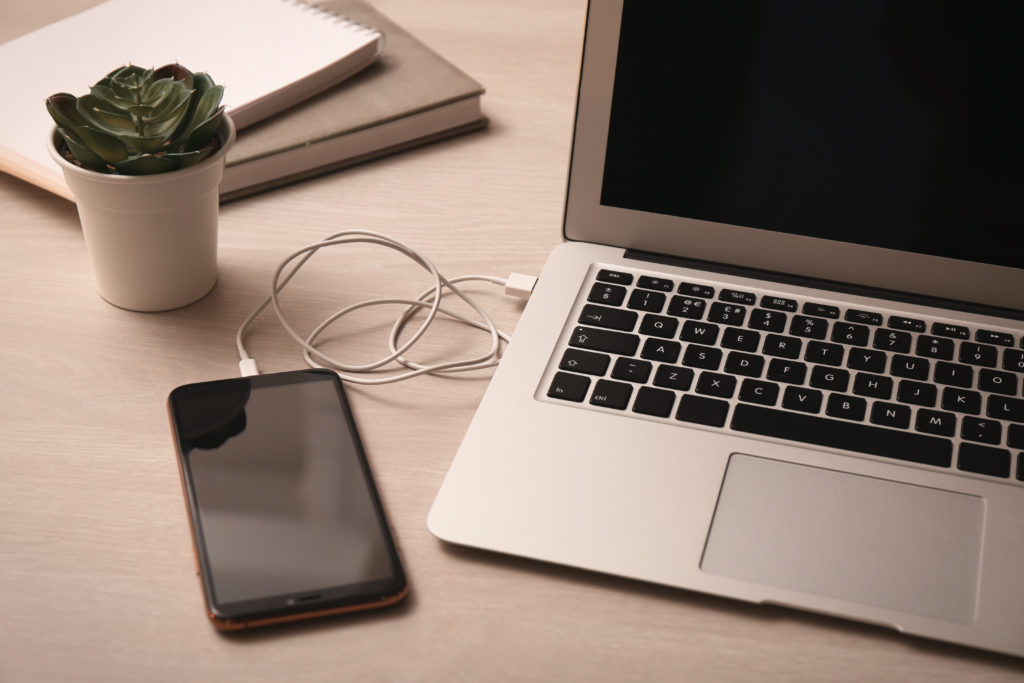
333, 16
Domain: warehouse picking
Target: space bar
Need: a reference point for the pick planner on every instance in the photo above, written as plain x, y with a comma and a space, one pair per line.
838, 434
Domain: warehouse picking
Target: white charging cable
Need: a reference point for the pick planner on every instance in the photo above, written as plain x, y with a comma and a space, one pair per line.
515, 285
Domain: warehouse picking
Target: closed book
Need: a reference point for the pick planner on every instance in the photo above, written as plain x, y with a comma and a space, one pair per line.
409, 96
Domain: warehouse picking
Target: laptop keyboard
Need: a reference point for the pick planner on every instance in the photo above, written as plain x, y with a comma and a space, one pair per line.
935, 393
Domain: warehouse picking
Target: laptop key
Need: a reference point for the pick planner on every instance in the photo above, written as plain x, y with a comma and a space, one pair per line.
611, 318
981, 430
851, 333
585, 362
734, 296
1013, 360
615, 277
791, 372
784, 347
715, 384
934, 347
687, 307
769, 321
824, 353
890, 415
990, 337
611, 295
694, 289
908, 324
910, 367
947, 330
829, 379
659, 326
745, 364
961, 401
704, 357
657, 402
632, 370
608, 341
891, 340
954, 375
804, 400
727, 314
865, 317
853, 436
644, 300
1015, 436
569, 387
978, 354
756, 391
656, 283
846, 407
661, 350
701, 410
917, 393
994, 462
872, 386
778, 303
935, 422
1003, 408
740, 339
821, 310
700, 333
673, 377
997, 382
608, 394
867, 360
812, 328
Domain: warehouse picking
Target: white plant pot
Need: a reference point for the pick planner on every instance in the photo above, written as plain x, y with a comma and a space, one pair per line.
152, 239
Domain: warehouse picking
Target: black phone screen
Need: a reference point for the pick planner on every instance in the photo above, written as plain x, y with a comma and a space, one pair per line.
284, 509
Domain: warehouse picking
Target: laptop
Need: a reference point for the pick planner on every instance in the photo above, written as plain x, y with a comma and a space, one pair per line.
780, 355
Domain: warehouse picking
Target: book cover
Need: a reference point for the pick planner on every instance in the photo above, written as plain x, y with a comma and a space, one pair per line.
410, 96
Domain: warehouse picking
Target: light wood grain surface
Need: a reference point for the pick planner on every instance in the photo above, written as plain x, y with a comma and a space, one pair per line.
97, 581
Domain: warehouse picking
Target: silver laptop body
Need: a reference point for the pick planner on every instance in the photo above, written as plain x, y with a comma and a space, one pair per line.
626, 431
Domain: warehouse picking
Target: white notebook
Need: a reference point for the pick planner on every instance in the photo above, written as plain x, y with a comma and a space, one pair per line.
268, 54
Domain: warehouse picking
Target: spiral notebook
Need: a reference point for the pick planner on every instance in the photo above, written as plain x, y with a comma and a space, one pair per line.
269, 55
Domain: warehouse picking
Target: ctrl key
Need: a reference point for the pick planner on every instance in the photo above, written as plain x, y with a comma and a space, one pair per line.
569, 387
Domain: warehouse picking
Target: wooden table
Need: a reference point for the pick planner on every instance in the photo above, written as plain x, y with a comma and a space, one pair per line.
96, 573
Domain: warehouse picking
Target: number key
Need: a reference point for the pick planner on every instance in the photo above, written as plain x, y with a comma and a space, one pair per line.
611, 295
727, 314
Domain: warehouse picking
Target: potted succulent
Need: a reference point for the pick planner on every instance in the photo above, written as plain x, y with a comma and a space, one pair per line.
144, 154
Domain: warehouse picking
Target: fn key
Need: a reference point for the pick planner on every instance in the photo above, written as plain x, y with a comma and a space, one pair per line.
569, 387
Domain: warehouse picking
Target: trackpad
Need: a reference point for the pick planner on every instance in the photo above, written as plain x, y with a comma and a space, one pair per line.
872, 541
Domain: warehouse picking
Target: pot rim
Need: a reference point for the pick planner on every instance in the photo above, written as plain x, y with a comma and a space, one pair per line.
227, 133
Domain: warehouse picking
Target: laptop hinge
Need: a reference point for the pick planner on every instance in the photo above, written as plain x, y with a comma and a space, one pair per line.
820, 283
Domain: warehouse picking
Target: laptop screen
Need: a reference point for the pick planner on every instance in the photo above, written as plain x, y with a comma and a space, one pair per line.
887, 124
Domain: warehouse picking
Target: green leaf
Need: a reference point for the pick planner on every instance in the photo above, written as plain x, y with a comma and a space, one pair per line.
136, 144
83, 154
92, 111
63, 112
205, 131
206, 109
177, 72
146, 164
105, 145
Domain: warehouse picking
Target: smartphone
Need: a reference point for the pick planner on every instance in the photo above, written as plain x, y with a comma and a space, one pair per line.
286, 521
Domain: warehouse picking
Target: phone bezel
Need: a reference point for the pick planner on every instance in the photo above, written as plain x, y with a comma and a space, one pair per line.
287, 606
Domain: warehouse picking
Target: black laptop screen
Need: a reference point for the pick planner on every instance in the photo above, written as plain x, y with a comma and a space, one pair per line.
890, 124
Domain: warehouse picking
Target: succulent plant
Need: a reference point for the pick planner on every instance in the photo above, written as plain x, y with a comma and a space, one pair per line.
139, 121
